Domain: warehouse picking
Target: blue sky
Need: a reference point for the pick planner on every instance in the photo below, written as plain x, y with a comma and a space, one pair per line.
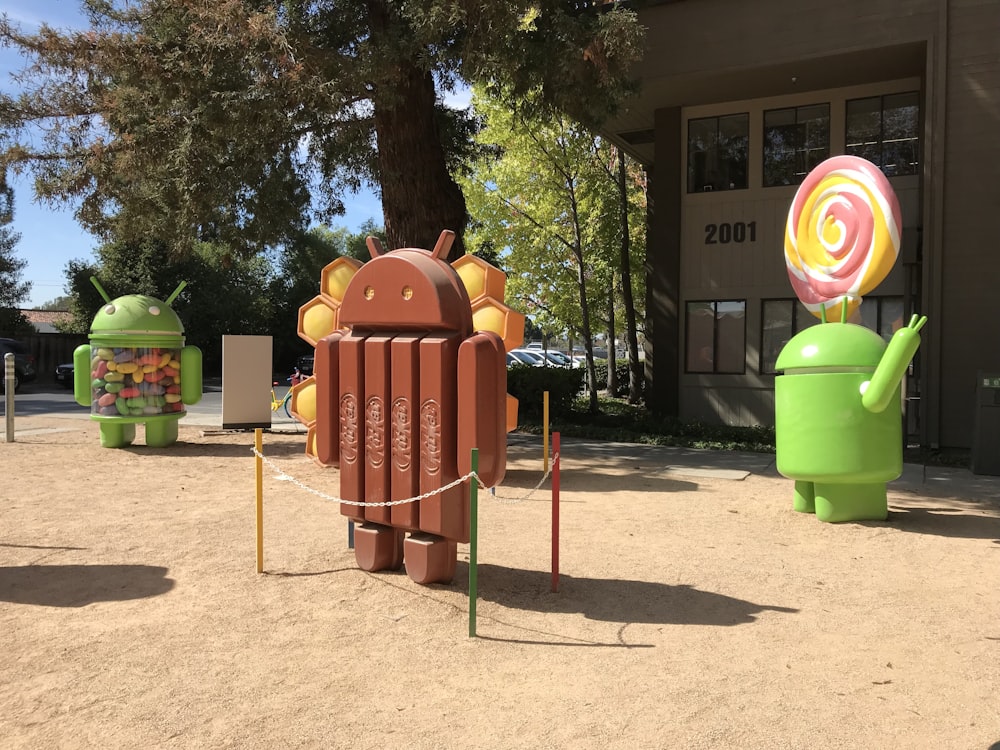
50, 236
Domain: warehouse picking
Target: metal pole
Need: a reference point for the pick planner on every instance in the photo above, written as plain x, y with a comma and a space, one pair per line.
8, 366
555, 512
259, 472
473, 543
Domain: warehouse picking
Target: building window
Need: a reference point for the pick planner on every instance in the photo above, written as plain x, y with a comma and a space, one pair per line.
780, 320
885, 131
884, 315
796, 139
718, 149
716, 336
783, 318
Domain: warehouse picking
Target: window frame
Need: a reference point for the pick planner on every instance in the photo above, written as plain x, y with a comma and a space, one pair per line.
799, 148
880, 143
715, 336
689, 177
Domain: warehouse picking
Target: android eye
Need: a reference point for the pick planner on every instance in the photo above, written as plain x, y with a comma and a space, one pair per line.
407, 292
154, 310
109, 309
369, 292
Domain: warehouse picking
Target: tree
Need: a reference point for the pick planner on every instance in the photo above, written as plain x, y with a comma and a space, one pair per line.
551, 202
13, 291
224, 294
225, 120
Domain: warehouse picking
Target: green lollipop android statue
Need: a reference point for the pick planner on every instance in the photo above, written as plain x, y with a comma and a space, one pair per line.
136, 369
838, 424
838, 420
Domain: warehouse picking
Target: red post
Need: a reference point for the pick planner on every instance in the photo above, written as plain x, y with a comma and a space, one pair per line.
555, 512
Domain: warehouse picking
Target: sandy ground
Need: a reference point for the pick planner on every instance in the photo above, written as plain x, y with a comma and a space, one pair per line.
692, 611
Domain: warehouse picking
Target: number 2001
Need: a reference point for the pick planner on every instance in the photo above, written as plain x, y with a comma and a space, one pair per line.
723, 234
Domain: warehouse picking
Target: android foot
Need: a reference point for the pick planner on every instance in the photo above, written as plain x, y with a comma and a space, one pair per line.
430, 558
851, 502
161, 433
378, 547
116, 434
804, 500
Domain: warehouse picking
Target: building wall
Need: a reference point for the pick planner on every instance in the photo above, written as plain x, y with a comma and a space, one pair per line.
704, 53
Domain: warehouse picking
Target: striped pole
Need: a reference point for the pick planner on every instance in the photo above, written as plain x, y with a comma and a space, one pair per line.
473, 543
258, 441
555, 512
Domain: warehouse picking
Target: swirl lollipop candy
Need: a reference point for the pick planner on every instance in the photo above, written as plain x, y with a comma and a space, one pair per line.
842, 234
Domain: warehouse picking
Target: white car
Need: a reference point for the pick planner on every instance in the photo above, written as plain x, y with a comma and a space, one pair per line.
524, 357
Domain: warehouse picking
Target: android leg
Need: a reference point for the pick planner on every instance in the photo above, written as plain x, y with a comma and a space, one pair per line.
161, 433
378, 547
430, 558
851, 502
804, 500
117, 434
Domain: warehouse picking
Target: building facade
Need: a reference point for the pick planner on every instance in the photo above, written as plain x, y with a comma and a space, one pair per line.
738, 102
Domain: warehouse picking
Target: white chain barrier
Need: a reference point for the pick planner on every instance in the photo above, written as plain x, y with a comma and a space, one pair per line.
282, 475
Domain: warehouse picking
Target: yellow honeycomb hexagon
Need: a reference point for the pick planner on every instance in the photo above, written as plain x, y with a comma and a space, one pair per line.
319, 317
303, 406
480, 278
490, 315
336, 276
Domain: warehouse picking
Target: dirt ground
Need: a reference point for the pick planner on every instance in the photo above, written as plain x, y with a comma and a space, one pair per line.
692, 611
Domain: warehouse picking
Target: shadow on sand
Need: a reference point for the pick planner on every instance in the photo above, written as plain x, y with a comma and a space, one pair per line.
80, 585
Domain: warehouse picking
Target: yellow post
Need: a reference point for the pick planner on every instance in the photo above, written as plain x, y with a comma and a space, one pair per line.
259, 470
545, 432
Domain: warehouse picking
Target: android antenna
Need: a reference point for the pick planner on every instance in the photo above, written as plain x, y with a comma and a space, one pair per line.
176, 291
822, 313
97, 284
843, 311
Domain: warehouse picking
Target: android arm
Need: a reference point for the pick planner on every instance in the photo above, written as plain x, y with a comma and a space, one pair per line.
881, 388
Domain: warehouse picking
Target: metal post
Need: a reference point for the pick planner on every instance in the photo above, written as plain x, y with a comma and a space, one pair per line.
473, 543
8, 365
259, 475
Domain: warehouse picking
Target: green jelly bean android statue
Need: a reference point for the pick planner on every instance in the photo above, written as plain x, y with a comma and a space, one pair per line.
838, 417
137, 369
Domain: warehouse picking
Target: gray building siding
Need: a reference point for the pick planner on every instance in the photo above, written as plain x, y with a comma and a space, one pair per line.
705, 54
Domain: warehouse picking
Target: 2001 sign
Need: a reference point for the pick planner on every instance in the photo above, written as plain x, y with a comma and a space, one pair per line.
723, 234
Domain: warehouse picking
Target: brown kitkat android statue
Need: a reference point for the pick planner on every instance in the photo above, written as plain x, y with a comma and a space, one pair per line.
405, 387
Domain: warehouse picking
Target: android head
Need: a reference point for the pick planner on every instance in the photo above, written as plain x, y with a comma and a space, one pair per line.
831, 347
138, 319
407, 289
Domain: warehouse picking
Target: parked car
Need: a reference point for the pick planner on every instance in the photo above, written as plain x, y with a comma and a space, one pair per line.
24, 363
524, 357
64, 375
304, 364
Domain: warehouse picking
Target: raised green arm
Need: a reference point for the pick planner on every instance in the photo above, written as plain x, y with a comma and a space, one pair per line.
81, 375
895, 360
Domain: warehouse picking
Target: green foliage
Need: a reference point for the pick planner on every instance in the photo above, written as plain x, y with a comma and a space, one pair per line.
13, 290
224, 295
618, 421
227, 121
528, 384
621, 368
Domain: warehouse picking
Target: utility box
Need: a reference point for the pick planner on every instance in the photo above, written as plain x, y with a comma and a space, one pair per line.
986, 438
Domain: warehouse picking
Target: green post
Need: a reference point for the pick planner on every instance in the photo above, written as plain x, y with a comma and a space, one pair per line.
473, 542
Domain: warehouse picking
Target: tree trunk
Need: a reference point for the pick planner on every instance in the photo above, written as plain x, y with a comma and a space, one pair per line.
612, 335
635, 380
419, 196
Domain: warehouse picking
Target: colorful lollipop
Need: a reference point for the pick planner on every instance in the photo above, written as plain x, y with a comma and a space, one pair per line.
842, 235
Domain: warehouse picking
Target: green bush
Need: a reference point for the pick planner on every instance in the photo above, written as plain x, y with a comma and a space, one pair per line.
618, 421
621, 369
528, 384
